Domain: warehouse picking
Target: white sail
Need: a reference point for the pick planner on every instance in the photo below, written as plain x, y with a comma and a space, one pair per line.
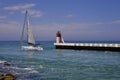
30, 37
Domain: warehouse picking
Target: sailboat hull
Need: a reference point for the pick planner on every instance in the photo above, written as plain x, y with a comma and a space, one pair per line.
36, 48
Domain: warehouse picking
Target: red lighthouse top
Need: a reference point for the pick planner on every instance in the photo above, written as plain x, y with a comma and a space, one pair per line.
58, 34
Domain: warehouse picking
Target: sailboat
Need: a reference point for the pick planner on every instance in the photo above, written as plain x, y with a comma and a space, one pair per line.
31, 45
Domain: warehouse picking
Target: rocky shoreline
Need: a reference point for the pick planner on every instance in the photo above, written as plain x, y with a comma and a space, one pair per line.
6, 75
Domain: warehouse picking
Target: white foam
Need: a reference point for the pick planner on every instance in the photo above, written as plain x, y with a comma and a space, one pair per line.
26, 70
41, 66
33, 71
17, 68
1, 62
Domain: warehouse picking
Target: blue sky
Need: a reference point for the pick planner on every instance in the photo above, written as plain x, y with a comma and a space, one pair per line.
76, 19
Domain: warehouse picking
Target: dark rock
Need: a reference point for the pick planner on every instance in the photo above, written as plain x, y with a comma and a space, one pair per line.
1, 76
6, 64
7, 76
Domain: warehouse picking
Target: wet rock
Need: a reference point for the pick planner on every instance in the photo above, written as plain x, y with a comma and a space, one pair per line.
7, 76
1, 76
6, 64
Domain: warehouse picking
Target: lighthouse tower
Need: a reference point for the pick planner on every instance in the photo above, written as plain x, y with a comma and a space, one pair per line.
59, 38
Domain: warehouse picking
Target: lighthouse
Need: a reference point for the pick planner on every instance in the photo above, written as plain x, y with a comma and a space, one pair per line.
59, 38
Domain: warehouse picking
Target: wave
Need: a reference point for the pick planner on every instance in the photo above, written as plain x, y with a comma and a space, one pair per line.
20, 73
2, 61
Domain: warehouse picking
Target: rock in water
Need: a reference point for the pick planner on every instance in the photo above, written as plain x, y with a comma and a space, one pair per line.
7, 76
1, 76
6, 64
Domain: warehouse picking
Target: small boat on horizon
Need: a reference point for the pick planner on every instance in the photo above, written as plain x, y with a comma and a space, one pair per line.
31, 45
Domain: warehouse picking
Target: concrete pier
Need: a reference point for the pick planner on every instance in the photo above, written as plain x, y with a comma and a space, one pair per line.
60, 44
88, 46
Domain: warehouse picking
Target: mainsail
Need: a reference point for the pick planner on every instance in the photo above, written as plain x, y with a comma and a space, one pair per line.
29, 31
30, 38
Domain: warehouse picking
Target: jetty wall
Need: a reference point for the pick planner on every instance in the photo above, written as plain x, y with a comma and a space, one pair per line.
88, 46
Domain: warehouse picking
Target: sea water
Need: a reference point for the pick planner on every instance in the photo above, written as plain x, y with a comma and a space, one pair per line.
52, 64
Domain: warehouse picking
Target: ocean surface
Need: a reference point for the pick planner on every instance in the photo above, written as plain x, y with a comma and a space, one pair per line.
52, 64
